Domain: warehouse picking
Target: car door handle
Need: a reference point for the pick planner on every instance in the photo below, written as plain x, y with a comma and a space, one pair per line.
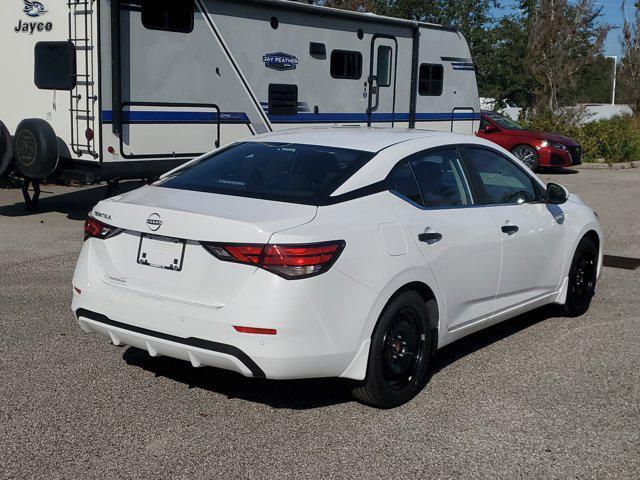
510, 229
430, 237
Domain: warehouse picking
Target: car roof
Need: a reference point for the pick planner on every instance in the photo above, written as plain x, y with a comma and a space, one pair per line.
369, 139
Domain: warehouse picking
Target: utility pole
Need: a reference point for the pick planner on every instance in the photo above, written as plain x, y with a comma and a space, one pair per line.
615, 74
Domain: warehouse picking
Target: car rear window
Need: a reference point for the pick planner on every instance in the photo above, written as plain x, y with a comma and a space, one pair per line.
285, 172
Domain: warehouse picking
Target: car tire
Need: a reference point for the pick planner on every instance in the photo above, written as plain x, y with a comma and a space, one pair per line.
35, 149
582, 278
6, 149
527, 155
400, 352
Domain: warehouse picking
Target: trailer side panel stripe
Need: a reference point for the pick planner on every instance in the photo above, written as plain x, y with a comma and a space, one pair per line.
147, 117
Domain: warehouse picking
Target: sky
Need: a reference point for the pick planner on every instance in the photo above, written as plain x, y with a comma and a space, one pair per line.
611, 14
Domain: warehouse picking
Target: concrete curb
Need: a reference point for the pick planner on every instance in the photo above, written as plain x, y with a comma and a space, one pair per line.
606, 166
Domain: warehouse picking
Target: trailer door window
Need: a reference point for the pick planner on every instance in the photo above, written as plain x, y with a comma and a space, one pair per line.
346, 64
168, 15
430, 79
385, 57
55, 66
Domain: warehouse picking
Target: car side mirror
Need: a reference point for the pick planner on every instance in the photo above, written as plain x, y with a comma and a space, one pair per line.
556, 194
490, 128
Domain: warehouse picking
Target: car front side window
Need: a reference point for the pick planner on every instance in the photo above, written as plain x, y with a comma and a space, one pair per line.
504, 182
440, 177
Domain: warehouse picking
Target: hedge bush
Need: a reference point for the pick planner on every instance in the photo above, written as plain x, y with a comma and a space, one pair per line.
613, 140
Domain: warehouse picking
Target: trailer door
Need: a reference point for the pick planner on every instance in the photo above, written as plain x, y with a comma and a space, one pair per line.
382, 80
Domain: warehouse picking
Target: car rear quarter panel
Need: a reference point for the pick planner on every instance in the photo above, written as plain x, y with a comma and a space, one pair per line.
367, 259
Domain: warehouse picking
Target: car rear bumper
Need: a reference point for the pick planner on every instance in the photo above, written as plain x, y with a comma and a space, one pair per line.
195, 350
319, 323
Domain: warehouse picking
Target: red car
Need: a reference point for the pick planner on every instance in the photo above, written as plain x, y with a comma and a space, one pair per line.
536, 149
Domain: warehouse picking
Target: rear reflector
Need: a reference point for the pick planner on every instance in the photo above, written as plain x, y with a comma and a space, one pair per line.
259, 331
288, 261
77, 290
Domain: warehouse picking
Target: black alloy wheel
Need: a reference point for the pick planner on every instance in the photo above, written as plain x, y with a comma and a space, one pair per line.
401, 347
582, 278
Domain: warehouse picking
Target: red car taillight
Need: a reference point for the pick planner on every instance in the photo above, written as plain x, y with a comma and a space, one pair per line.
95, 229
288, 261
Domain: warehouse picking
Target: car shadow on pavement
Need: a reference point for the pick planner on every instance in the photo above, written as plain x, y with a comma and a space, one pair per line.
314, 393
74, 204
559, 171
289, 394
479, 340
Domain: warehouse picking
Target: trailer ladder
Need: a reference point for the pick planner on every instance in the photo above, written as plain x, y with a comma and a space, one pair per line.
83, 96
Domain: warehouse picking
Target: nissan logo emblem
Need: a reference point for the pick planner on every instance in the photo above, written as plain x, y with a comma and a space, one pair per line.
153, 222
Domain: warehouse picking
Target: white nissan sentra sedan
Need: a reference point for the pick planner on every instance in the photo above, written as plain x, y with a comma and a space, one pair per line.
335, 252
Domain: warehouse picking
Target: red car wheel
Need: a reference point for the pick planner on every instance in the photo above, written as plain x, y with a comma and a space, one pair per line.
528, 155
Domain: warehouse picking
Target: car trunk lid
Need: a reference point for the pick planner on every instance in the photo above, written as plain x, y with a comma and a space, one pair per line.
159, 252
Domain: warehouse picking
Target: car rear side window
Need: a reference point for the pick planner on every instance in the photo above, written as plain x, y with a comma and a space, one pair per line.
295, 173
503, 181
403, 181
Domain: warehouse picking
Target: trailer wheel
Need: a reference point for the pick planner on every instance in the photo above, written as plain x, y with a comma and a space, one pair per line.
36, 148
6, 149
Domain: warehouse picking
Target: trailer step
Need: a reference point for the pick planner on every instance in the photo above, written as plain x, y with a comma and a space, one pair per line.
84, 47
83, 151
84, 82
86, 117
83, 12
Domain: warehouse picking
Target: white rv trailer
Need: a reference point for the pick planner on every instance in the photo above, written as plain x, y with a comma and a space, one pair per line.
113, 89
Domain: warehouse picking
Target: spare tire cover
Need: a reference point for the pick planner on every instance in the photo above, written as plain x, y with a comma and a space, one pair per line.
3, 140
6, 149
36, 148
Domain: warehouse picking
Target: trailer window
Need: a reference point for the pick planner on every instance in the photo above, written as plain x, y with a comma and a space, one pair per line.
346, 64
283, 99
430, 79
286, 172
168, 15
55, 65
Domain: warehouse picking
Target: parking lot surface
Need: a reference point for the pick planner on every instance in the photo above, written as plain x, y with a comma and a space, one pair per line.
538, 396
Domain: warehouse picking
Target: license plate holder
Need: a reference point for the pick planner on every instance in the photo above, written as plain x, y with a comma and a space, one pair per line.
161, 252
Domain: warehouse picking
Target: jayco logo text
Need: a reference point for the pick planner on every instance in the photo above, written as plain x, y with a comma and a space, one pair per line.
33, 9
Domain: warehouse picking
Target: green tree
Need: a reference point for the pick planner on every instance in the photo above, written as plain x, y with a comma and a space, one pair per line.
563, 38
630, 62
593, 83
507, 76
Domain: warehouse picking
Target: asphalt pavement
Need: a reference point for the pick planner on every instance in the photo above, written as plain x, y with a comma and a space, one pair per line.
538, 396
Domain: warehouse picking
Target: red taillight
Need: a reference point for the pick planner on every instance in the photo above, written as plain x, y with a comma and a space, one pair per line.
258, 331
95, 229
89, 134
245, 253
288, 261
